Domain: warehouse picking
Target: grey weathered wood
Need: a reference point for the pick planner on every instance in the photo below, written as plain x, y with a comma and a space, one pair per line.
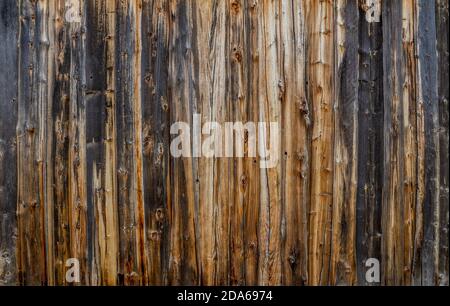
428, 95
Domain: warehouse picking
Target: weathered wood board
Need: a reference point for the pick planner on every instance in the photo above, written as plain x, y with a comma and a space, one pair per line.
90, 90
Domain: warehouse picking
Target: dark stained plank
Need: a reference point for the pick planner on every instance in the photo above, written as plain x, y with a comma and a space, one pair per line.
370, 135
91, 91
9, 33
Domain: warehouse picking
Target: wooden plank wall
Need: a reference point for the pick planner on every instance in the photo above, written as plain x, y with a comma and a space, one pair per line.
86, 108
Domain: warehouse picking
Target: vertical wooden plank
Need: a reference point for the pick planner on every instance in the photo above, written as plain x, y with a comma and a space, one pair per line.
128, 268
201, 64
420, 191
428, 99
136, 13
111, 191
270, 95
9, 33
252, 246
238, 61
101, 142
129, 134
393, 196
264, 208
343, 262
182, 219
31, 130
44, 110
95, 116
409, 128
303, 149
156, 129
294, 126
399, 196
370, 135
442, 39
67, 206
49, 206
320, 92
60, 144
210, 58
77, 204
225, 193
95, 71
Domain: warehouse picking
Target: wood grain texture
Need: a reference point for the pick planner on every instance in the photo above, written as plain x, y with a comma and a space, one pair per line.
9, 32
370, 135
86, 117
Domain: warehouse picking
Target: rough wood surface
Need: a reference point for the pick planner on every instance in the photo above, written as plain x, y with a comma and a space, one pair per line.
86, 171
